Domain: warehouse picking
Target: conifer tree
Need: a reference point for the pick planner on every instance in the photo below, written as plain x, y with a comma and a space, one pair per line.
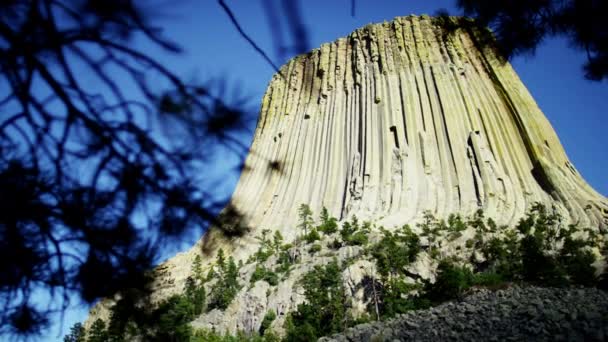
305, 215
77, 334
98, 332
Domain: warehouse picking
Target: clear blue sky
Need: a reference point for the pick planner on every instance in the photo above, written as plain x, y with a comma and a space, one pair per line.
576, 108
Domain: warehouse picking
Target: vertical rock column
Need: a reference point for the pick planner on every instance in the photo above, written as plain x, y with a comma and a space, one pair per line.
400, 118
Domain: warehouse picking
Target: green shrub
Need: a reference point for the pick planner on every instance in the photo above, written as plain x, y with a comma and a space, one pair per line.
262, 273
492, 227
451, 282
503, 256
348, 229
195, 286
312, 236
172, 319
262, 255
537, 266
98, 332
305, 216
353, 234
283, 263
315, 248
456, 224
325, 309
487, 279
430, 227
477, 222
267, 321
277, 241
395, 251
335, 244
77, 334
227, 286
577, 261
395, 300
196, 295
328, 224
358, 239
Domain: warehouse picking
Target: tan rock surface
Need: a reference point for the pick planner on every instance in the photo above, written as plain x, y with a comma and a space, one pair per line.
394, 120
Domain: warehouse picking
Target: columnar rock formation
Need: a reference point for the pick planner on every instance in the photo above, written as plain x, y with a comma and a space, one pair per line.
395, 120
400, 118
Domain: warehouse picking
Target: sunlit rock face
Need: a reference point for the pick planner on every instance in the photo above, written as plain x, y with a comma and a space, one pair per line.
392, 121
400, 118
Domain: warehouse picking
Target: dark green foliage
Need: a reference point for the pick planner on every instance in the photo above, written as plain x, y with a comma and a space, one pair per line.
262, 273
328, 224
395, 251
455, 226
210, 275
503, 256
195, 287
122, 313
519, 27
197, 270
195, 293
172, 319
315, 248
353, 234
227, 286
537, 265
541, 232
267, 247
312, 236
336, 244
539, 250
221, 259
577, 261
349, 228
301, 330
452, 280
325, 309
488, 279
394, 298
358, 239
98, 332
536, 256
211, 336
305, 215
77, 334
477, 221
261, 255
277, 241
492, 227
267, 321
169, 321
283, 262
364, 318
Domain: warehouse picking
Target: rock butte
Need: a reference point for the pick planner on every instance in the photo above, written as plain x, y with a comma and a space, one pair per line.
394, 120
403, 117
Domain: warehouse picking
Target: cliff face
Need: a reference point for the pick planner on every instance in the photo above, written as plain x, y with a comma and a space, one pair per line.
403, 117
395, 120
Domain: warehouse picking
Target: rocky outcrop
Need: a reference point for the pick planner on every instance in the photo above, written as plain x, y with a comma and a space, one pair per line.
393, 121
513, 314
403, 117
